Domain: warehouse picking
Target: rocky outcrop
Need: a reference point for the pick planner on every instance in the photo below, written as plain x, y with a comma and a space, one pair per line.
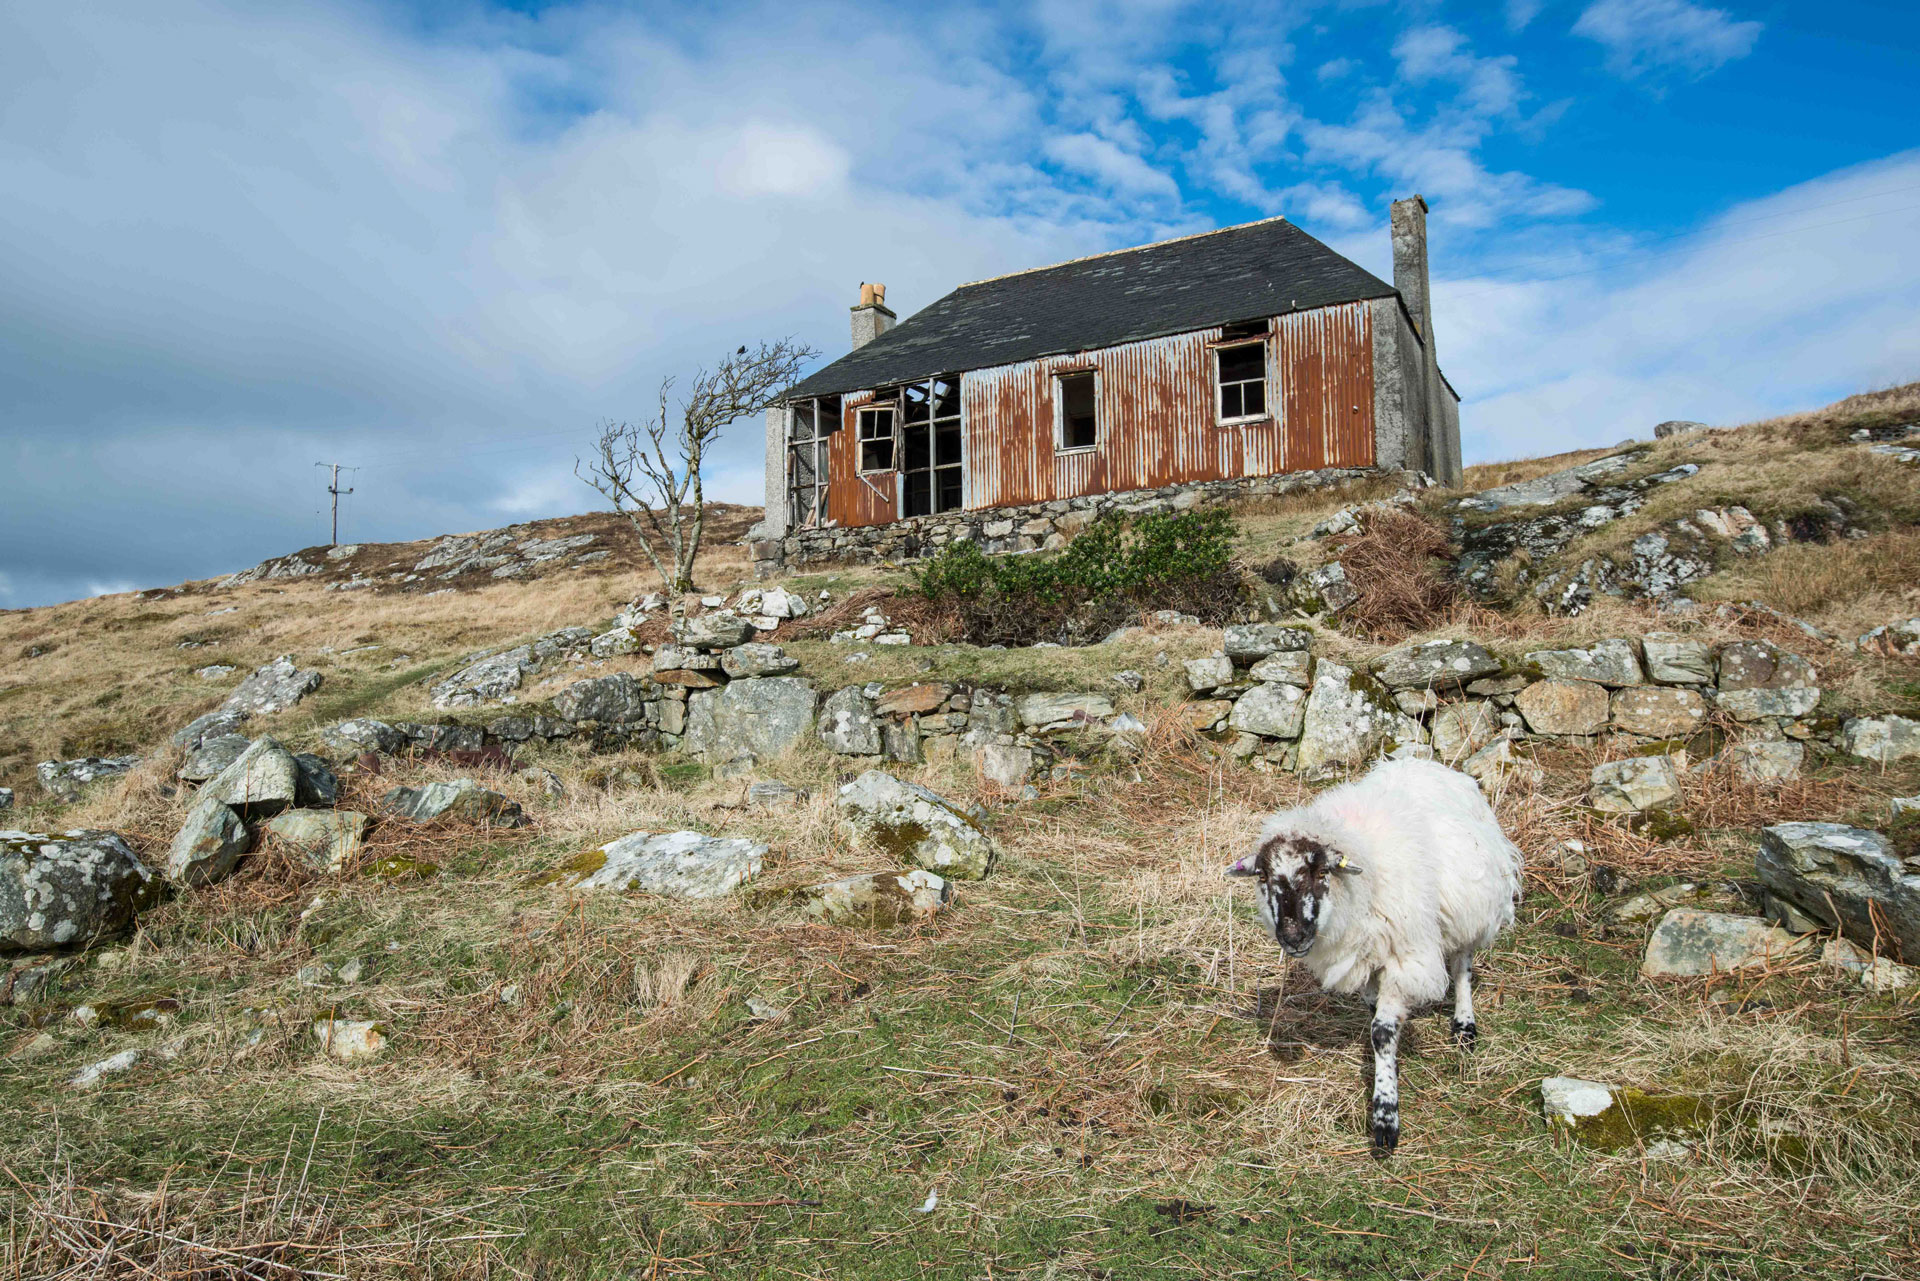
765, 718
848, 726
59, 891
69, 780
1848, 878
910, 824
273, 688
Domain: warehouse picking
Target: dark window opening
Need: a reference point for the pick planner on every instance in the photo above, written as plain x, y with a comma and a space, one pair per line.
810, 428
1243, 381
1079, 414
930, 448
876, 439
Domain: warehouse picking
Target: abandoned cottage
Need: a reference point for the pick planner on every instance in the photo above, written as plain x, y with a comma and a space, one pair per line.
1251, 359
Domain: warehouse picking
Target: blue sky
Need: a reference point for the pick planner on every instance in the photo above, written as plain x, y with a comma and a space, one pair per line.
440, 241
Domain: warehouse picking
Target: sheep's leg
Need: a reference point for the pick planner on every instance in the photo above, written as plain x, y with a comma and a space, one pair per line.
1460, 966
1387, 1017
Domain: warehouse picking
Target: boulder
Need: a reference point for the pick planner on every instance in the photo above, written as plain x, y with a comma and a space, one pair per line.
765, 718
1885, 739
1658, 712
315, 785
1893, 640
618, 699
262, 780
1270, 710
909, 823
716, 629
1349, 716
207, 845
460, 798
1461, 729
1767, 760
273, 688
1205, 675
1287, 666
848, 726
68, 780
210, 725
757, 658
1047, 713
213, 755
1759, 679
67, 889
485, 680
1438, 664
1608, 662
1690, 944
879, 898
1675, 660
1563, 707
350, 738
1675, 427
673, 864
1849, 878
1634, 784
1251, 642
326, 840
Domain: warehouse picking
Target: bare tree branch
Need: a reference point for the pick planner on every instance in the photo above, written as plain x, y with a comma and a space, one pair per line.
657, 484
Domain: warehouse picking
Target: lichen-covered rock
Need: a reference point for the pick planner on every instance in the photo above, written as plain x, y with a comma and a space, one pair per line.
716, 629
1767, 760
442, 738
1349, 716
315, 784
350, 1040
207, 845
1846, 877
1461, 729
618, 699
909, 823
1676, 660
1287, 666
1893, 640
771, 794
765, 718
1759, 679
459, 798
1608, 662
485, 680
326, 840
1323, 589
273, 688
350, 738
1691, 944
1563, 707
1048, 713
1885, 739
848, 726
1003, 764
213, 755
56, 891
1635, 784
69, 780
757, 658
211, 725
1205, 675
1251, 642
1611, 1118
1437, 664
1271, 711
1655, 711
673, 864
685, 665
614, 643
1203, 715
879, 898
262, 780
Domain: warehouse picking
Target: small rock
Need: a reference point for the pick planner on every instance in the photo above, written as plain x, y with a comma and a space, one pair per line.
718, 629
1270, 710
485, 680
261, 781
1004, 765
757, 658
1845, 956
1674, 660
214, 754
1461, 729
1570, 707
1609, 662
1829, 868
878, 899
1676, 427
1654, 711
1767, 760
1566, 1100
615, 643
673, 864
848, 726
617, 699
460, 798
769, 794
350, 1040
1251, 642
207, 845
1287, 667
1884, 975
1205, 675
1348, 717
68, 780
326, 840
1487, 765
1635, 784
1884, 739
910, 823
1893, 640
1690, 944
544, 781
273, 688
1438, 664
350, 738
1047, 713
93, 1073
1130, 680
1758, 679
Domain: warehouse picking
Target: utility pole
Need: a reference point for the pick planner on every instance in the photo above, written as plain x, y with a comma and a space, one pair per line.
333, 488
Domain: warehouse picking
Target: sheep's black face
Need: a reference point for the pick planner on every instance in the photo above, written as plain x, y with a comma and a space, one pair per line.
1292, 875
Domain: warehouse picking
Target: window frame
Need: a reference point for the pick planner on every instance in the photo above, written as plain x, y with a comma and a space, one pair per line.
1060, 445
942, 420
1220, 417
861, 439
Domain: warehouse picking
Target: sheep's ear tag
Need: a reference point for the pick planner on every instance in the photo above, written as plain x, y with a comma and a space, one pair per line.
1346, 866
1241, 867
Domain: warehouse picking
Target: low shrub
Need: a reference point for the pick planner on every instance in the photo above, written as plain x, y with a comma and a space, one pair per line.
1106, 578
1399, 565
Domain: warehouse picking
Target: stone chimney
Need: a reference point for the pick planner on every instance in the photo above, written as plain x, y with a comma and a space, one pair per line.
871, 317
1410, 263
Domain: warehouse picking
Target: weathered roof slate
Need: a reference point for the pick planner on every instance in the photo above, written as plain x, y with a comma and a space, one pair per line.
1247, 272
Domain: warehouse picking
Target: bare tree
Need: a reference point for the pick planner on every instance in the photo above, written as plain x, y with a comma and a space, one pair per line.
660, 493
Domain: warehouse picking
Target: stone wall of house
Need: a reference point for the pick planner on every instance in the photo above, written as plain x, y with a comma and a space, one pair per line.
1033, 527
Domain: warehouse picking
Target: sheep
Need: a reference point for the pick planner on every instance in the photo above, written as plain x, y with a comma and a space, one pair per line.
1387, 885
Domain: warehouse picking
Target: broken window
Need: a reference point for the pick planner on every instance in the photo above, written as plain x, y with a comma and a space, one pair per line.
1079, 412
876, 439
810, 428
930, 447
1242, 378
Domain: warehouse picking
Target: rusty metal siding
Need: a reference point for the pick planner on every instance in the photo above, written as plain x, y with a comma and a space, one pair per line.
853, 499
1157, 427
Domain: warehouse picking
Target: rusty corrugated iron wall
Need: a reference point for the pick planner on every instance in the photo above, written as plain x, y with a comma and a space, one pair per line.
853, 499
1156, 405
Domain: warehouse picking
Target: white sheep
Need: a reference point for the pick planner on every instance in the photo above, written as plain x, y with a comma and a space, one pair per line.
1388, 885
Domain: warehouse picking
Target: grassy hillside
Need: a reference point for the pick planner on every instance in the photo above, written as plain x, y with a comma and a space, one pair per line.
1092, 1064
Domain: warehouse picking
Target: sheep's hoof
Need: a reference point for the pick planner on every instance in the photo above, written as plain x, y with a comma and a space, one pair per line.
1465, 1034
1386, 1130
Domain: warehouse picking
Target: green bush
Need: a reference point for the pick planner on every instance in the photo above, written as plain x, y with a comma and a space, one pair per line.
1105, 578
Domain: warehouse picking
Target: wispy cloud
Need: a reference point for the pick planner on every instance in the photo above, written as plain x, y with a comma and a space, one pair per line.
1119, 170
1642, 36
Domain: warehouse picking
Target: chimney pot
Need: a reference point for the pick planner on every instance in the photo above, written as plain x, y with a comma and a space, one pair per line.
870, 315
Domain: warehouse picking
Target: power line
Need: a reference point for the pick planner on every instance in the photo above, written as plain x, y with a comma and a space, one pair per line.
333, 488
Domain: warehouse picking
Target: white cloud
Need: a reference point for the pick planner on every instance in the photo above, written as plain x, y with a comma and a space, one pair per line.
1665, 35
1521, 12
1335, 69
1097, 158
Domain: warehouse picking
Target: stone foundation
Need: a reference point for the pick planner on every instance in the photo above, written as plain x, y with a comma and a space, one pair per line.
1033, 527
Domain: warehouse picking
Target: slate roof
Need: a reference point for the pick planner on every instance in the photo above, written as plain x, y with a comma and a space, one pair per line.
1248, 272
